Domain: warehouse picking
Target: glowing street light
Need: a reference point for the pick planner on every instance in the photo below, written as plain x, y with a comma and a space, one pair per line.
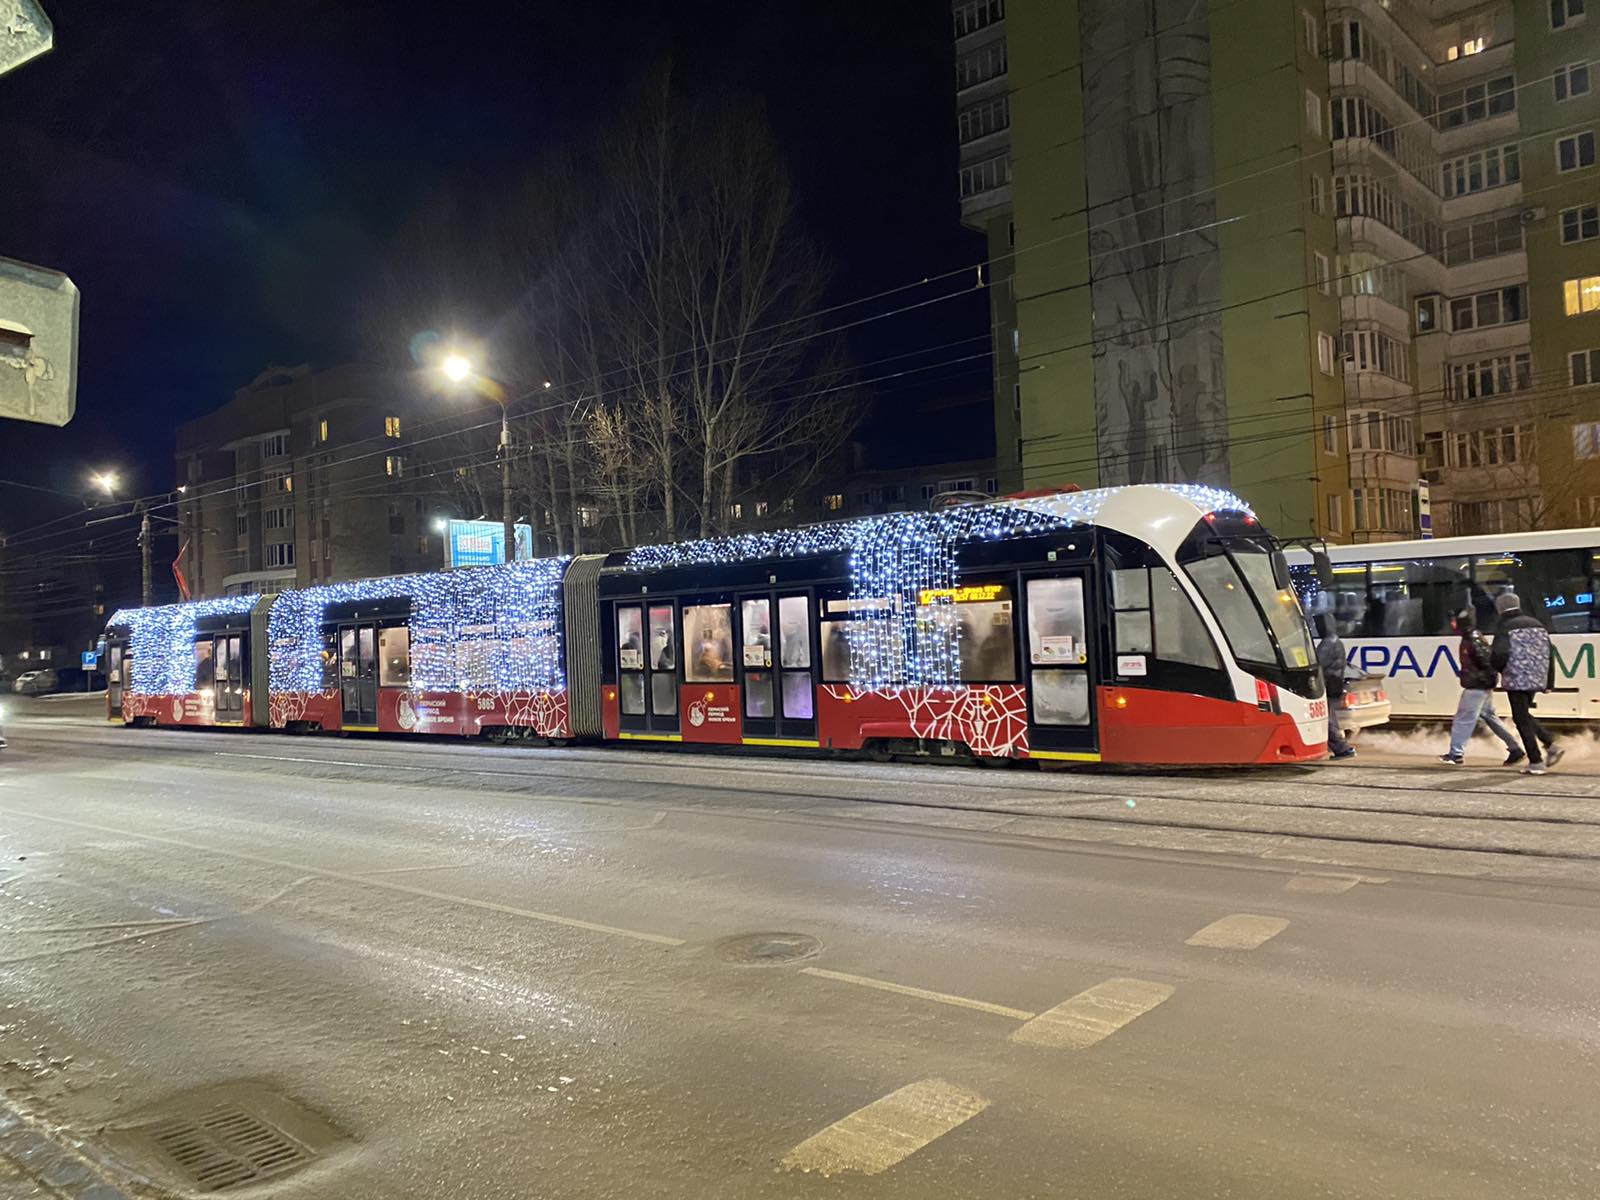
106, 481
456, 367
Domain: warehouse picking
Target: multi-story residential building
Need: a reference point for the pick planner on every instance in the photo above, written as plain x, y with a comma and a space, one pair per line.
304, 477
1329, 254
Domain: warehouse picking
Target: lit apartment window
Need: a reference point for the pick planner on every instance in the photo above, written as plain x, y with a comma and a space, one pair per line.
1565, 13
761, 508
280, 554
279, 481
1586, 440
1325, 353
1580, 224
1581, 295
394, 465
322, 431
1324, 276
588, 516
391, 427
1571, 81
1575, 152
735, 511
833, 503
1583, 367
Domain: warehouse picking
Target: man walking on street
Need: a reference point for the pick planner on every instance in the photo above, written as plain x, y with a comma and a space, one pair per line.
1521, 654
1477, 696
1331, 658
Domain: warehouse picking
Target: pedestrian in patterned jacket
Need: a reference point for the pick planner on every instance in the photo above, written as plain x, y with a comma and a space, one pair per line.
1521, 654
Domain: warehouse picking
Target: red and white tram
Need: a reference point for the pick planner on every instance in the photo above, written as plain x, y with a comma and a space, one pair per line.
1139, 625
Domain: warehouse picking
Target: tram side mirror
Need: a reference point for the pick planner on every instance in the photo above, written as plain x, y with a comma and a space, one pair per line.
1324, 569
1280, 569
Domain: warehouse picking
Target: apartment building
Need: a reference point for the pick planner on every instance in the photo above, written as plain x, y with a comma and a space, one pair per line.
1340, 257
304, 477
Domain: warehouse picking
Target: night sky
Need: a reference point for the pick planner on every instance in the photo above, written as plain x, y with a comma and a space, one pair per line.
221, 179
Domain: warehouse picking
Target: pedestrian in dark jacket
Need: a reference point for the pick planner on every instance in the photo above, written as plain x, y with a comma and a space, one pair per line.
1477, 695
1521, 654
1331, 658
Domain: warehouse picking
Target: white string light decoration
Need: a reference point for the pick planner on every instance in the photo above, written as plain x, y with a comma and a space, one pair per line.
161, 640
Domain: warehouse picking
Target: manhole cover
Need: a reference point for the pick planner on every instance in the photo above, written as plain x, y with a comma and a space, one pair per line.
767, 949
228, 1136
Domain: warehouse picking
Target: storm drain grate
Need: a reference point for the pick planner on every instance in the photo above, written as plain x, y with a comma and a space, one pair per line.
227, 1146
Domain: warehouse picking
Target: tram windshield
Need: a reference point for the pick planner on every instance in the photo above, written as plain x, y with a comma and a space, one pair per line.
1259, 614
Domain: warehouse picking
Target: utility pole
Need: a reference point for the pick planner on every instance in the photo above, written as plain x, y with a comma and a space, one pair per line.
144, 552
507, 517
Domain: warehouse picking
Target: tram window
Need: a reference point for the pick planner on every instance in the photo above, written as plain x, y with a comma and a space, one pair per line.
1130, 588
630, 637
631, 691
1181, 636
347, 654
663, 643
1225, 592
664, 694
794, 631
979, 617
204, 667
797, 699
1061, 697
708, 636
835, 651
758, 694
755, 624
1134, 635
394, 657
1056, 621
330, 659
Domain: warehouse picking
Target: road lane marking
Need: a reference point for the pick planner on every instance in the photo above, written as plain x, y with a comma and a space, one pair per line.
1093, 1015
1322, 885
362, 880
1241, 931
883, 985
887, 1131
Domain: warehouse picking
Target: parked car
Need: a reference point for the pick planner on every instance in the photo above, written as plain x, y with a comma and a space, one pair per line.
1365, 704
36, 683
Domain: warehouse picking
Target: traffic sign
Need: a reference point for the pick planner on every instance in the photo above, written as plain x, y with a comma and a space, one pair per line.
38, 341
25, 33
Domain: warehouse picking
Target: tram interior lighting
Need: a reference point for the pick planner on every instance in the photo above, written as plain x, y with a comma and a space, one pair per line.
161, 641
484, 629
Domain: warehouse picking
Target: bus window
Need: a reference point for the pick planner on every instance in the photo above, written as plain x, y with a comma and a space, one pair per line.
1414, 597
1556, 586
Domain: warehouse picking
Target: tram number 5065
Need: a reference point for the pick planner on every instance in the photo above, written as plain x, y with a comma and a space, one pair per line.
1319, 709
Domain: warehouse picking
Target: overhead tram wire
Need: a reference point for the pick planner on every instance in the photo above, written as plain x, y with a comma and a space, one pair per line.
1015, 252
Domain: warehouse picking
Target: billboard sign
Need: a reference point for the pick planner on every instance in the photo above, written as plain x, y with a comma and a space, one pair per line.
483, 543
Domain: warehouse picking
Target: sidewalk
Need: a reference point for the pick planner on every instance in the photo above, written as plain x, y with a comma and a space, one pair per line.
1421, 746
35, 1166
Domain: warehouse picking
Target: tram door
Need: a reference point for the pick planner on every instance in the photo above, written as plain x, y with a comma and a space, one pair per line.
1059, 660
647, 667
358, 675
116, 656
777, 672
229, 677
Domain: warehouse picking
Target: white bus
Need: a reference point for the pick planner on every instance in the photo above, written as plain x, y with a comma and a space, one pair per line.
1393, 602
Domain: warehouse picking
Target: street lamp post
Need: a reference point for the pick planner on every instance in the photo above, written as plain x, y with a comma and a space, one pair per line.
457, 369
106, 481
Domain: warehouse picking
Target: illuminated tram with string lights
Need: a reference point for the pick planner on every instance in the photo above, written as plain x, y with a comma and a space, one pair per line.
1138, 625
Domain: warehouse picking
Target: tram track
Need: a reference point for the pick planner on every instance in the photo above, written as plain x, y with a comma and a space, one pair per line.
316, 755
